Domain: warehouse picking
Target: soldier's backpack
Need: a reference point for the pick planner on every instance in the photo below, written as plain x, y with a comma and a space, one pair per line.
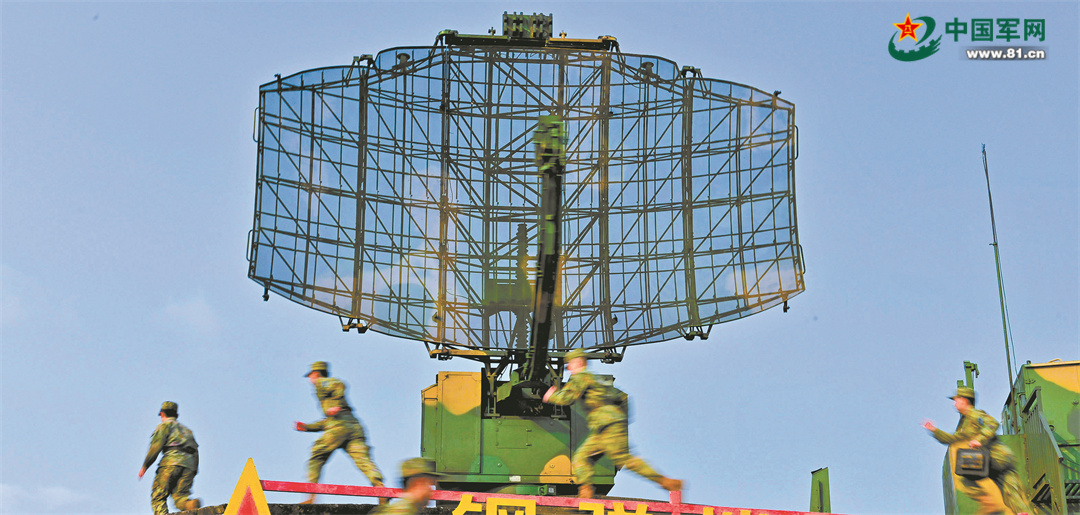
972, 463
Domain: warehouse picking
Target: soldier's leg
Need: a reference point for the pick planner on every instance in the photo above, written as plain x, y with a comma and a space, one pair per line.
330, 440
182, 493
616, 445
358, 449
1003, 472
987, 493
583, 459
1012, 492
164, 482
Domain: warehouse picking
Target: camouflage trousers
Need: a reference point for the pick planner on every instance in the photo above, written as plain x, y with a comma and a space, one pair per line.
1003, 472
343, 436
1000, 493
611, 441
1012, 491
171, 480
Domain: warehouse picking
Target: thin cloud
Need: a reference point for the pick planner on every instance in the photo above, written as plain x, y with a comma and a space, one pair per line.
193, 313
12, 301
35, 499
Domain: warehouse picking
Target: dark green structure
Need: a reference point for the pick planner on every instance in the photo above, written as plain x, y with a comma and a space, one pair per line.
820, 500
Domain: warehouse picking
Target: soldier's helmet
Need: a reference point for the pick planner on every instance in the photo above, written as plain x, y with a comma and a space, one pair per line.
963, 391
319, 366
575, 353
413, 467
169, 406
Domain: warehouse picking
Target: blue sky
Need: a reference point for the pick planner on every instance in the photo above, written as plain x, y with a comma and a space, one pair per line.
127, 193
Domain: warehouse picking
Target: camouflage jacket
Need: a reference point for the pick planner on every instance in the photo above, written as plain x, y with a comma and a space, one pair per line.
331, 394
176, 444
977, 425
599, 397
403, 506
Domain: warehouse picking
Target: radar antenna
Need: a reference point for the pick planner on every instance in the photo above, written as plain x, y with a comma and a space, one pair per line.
399, 193
1010, 352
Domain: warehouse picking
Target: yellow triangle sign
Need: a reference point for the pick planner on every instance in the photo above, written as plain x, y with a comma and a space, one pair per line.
248, 497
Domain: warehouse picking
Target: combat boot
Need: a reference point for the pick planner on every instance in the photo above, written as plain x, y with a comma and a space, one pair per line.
585, 491
193, 504
309, 500
671, 485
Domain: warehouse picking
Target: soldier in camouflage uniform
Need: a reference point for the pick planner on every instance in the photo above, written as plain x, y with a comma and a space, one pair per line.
179, 462
341, 429
419, 478
607, 426
977, 429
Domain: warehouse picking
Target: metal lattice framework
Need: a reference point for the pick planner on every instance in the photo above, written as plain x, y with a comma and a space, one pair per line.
402, 193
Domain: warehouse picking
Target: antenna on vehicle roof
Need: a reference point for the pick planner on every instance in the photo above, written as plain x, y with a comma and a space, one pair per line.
1010, 353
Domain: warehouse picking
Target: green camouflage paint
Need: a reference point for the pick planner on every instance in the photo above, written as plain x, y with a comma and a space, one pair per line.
496, 452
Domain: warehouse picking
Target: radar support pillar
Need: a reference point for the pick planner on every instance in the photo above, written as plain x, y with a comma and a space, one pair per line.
550, 157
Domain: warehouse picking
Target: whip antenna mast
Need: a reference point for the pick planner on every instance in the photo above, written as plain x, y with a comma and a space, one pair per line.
1010, 353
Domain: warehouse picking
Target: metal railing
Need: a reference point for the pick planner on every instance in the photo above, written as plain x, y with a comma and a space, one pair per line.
1046, 483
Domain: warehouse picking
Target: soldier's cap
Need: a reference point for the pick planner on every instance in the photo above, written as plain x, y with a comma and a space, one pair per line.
964, 391
319, 366
576, 353
169, 406
413, 467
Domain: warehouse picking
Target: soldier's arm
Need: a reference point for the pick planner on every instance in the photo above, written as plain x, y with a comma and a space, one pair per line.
961, 433
157, 442
570, 392
313, 427
946, 438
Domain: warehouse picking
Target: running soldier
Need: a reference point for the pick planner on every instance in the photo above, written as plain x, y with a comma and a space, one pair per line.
179, 462
607, 426
341, 430
977, 429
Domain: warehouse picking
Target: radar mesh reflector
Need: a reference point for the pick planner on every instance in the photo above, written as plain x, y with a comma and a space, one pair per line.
404, 194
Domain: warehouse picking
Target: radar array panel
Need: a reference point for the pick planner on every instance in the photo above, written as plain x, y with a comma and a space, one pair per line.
401, 193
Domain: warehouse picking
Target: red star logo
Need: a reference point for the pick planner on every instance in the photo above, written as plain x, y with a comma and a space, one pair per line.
907, 29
